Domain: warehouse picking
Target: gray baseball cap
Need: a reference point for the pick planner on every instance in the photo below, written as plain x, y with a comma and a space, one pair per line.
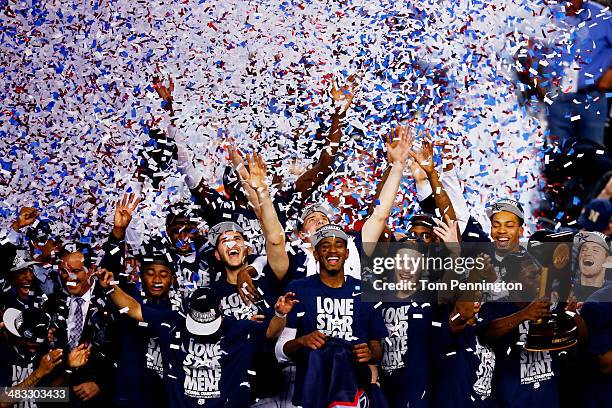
507, 205
215, 232
22, 260
591, 236
329, 231
311, 209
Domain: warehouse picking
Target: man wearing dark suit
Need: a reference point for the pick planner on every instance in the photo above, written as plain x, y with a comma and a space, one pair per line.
82, 314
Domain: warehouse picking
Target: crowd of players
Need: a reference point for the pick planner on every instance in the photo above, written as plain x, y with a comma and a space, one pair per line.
252, 296
207, 319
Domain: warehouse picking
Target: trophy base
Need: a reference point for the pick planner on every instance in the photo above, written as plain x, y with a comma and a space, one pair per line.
558, 333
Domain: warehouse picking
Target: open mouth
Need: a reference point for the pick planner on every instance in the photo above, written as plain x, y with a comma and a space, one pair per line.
588, 262
233, 252
405, 276
157, 287
333, 260
503, 241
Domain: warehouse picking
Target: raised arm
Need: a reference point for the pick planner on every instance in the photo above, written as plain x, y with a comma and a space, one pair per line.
283, 306
114, 247
121, 299
425, 158
123, 214
313, 177
272, 228
397, 155
241, 170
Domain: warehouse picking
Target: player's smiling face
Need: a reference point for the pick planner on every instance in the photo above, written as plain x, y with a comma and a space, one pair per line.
591, 259
506, 230
75, 274
23, 282
231, 249
331, 253
409, 271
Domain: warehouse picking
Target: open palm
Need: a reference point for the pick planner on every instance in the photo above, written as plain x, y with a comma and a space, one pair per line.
125, 208
399, 144
343, 96
79, 356
256, 174
424, 156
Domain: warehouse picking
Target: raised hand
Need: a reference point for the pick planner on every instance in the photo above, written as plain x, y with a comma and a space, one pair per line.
285, 303
79, 356
398, 147
123, 211
424, 156
238, 163
418, 174
447, 230
27, 216
164, 92
255, 176
105, 278
343, 96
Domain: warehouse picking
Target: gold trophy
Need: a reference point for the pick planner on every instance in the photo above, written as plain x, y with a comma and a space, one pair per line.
553, 251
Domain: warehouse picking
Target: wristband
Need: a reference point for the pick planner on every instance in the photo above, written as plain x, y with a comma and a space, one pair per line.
280, 315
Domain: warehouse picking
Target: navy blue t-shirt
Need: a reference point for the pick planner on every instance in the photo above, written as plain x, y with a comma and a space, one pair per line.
406, 366
597, 314
463, 367
583, 292
522, 378
206, 372
232, 305
140, 370
336, 312
268, 379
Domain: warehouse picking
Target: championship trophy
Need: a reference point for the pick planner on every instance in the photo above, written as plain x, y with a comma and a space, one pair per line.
553, 251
